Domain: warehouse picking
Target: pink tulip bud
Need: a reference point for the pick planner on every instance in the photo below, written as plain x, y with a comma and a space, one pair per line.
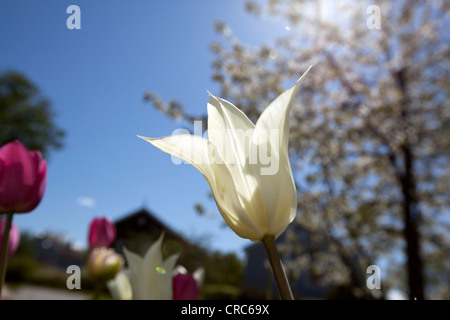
185, 287
102, 233
23, 176
14, 237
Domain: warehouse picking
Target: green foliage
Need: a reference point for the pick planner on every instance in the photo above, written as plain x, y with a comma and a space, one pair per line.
26, 115
223, 271
26, 246
223, 268
21, 269
219, 292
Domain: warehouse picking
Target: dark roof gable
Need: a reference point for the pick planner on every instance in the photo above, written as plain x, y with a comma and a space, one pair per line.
142, 219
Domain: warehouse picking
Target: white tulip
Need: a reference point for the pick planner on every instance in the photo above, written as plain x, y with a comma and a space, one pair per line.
149, 276
255, 199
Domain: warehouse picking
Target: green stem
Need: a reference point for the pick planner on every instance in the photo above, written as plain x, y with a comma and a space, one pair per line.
277, 267
97, 291
4, 250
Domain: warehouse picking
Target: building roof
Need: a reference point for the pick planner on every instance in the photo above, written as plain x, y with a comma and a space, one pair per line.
138, 230
145, 217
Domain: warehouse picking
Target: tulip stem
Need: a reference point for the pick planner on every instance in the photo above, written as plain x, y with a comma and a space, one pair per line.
97, 291
4, 250
277, 268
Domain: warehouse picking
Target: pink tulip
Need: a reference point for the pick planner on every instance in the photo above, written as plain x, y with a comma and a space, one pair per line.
23, 176
14, 237
185, 287
102, 233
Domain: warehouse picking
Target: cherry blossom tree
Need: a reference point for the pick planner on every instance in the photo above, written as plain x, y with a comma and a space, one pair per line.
368, 134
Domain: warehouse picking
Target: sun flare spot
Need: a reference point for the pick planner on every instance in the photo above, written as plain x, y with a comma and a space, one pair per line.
160, 270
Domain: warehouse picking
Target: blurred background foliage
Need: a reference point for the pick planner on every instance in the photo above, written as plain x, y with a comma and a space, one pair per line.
26, 115
42, 260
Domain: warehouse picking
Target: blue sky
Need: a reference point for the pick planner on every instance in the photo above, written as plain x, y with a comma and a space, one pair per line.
95, 78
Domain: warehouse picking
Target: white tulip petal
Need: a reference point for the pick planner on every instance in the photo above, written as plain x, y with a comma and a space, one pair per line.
199, 276
223, 185
153, 257
280, 198
193, 149
276, 115
165, 279
228, 129
134, 261
179, 269
231, 132
232, 204
120, 287
226, 118
136, 274
275, 120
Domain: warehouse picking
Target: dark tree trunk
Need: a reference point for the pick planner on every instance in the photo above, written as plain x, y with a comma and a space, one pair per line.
411, 211
411, 218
